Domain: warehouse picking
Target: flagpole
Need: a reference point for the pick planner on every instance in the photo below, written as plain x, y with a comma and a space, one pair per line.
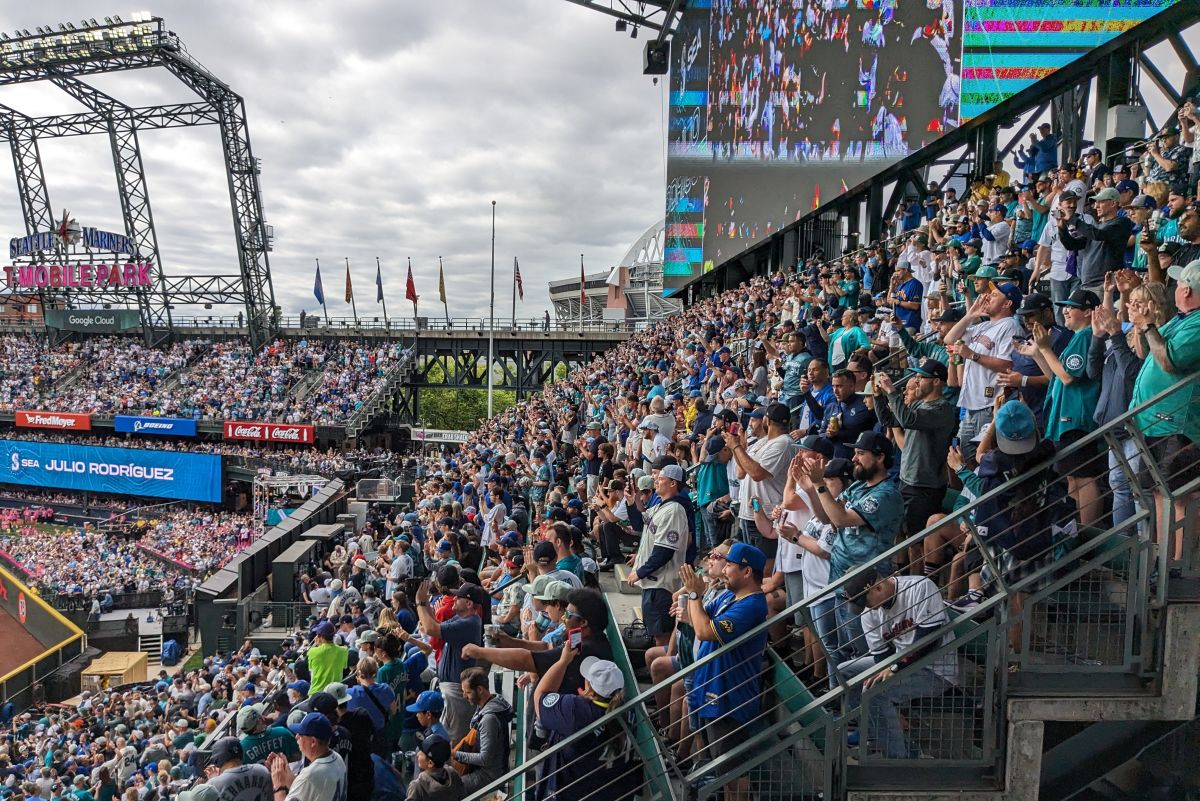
442, 292
492, 316
350, 286
379, 286
323, 306
415, 296
582, 291
514, 288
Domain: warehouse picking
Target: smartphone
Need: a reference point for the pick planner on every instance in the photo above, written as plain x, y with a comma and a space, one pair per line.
575, 638
755, 505
954, 442
734, 429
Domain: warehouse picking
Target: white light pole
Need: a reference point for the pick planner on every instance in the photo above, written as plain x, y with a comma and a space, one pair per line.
492, 315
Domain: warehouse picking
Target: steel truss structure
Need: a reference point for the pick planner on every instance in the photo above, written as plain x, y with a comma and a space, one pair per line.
64, 59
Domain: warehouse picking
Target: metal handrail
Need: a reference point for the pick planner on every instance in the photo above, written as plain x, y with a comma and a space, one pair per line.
997, 601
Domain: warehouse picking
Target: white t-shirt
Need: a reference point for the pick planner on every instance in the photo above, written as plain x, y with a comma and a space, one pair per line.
1058, 251
402, 568
992, 338
774, 455
323, 779
918, 604
994, 248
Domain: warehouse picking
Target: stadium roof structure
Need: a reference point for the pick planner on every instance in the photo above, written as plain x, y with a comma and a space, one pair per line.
64, 58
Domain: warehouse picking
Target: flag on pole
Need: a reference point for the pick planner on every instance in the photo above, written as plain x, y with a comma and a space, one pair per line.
378, 283
517, 279
582, 282
410, 291
318, 291
349, 286
441, 283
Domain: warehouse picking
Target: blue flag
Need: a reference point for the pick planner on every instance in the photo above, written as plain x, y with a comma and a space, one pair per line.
378, 284
318, 291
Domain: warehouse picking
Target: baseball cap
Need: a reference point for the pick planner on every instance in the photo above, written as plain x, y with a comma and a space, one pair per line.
873, 442
931, 368
369, 635
649, 425
474, 593
248, 718
1016, 428
1092, 151
744, 555
538, 585
227, 749
727, 415
951, 314
604, 676
998, 207
321, 702
339, 691
1170, 248
544, 552
1127, 186
325, 629
974, 242
1108, 193
553, 590
300, 686
1187, 274
986, 271
645, 482
1068, 194
817, 444
314, 725
1080, 299
856, 589
674, 472
839, 468
510, 540
1034, 302
201, 792
427, 701
436, 749
1013, 293
777, 413
1142, 202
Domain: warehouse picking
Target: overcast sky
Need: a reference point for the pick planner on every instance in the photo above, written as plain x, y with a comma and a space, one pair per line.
384, 129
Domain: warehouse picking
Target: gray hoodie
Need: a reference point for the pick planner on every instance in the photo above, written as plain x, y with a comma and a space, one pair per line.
443, 784
491, 760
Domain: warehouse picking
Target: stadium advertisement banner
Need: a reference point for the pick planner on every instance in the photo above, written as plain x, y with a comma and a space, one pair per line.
271, 432
123, 471
164, 426
63, 421
92, 321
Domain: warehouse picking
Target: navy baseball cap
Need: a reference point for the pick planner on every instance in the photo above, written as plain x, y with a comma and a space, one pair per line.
315, 725
744, 555
817, 444
931, 368
873, 442
428, 701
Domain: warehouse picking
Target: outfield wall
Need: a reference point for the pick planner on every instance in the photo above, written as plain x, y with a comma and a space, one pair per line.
61, 639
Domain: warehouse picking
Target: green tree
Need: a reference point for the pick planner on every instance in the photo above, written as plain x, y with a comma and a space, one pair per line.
458, 409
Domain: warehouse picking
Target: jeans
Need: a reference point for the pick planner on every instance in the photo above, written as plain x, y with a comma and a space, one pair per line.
824, 625
883, 721
746, 530
1061, 290
708, 528
849, 632
972, 425
1124, 506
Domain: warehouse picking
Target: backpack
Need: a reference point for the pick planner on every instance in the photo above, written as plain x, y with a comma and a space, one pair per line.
170, 653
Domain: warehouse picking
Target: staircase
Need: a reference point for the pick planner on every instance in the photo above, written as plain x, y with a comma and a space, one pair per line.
151, 645
378, 402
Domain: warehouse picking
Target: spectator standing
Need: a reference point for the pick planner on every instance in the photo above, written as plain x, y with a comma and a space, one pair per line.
928, 421
377, 700
485, 751
323, 778
232, 778
437, 781
464, 628
1053, 256
847, 415
762, 468
907, 299
660, 553
725, 695
326, 661
1100, 242
259, 740
983, 339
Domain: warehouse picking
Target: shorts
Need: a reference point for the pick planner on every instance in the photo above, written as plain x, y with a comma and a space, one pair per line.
1085, 462
721, 735
656, 612
920, 503
1178, 460
751, 536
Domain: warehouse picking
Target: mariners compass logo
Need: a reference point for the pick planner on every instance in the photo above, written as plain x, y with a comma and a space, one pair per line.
67, 232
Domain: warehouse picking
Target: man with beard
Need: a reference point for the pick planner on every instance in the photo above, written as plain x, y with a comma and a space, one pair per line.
1189, 235
868, 517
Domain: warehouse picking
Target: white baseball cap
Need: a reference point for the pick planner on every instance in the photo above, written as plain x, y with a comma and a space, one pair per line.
604, 676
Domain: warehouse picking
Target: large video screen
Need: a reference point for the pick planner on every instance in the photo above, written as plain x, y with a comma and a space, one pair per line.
777, 106
123, 471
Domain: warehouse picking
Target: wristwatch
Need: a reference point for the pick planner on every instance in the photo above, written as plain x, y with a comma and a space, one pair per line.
822, 489
693, 595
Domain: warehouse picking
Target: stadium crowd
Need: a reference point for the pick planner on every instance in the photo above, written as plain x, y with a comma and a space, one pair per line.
734, 460
196, 378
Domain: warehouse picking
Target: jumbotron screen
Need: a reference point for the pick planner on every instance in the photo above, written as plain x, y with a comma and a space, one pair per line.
779, 105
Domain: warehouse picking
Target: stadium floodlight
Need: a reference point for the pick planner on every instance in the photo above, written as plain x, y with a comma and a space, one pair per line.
92, 21
633, 33
117, 19
621, 25
108, 21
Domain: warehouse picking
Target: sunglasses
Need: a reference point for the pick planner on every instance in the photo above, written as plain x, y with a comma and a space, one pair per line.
573, 615
716, 556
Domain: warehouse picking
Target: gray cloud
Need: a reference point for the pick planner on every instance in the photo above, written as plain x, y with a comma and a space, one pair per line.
386, 130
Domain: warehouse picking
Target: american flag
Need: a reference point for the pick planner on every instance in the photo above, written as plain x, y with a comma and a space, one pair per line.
517, 279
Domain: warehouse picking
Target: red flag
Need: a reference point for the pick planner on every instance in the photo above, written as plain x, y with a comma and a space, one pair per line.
582, 280
517, 279
410, 291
